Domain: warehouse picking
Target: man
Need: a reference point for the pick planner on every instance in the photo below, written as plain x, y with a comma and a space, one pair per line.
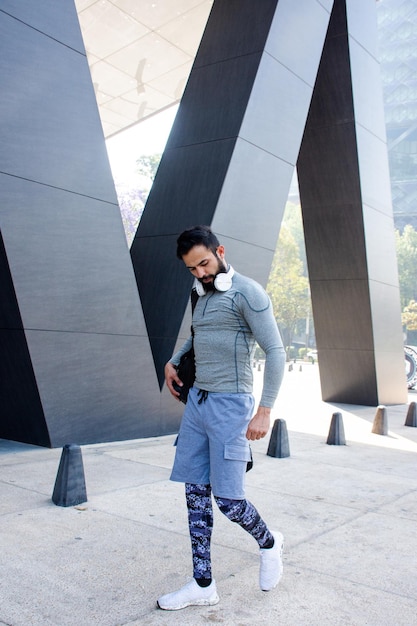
231, 314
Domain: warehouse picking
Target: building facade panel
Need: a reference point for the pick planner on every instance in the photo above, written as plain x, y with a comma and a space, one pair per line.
49, 114
343, 167
75, 349
301, 60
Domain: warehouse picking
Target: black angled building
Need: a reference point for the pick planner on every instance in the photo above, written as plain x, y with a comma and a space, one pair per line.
86, 326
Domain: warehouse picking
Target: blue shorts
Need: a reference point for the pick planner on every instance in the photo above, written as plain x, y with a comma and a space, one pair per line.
212, 447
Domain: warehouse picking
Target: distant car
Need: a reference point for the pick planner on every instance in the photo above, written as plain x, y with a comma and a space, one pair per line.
312, 355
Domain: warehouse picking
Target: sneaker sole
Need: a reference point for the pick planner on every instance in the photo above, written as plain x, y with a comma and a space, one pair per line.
203, 602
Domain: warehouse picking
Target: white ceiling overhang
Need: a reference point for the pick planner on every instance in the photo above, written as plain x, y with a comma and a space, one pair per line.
140, 54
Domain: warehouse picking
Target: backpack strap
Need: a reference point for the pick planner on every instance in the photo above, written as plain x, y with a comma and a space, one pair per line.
194, 298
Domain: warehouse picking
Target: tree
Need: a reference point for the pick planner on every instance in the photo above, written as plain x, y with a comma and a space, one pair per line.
409, 315
147, 165
131, 204
288, 288
293, 221
406, 244
132, 195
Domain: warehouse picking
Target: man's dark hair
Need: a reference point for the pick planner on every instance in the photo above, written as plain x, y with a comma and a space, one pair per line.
196, 236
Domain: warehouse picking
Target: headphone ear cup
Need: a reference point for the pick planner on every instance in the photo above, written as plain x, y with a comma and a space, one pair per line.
199, 287
223, 281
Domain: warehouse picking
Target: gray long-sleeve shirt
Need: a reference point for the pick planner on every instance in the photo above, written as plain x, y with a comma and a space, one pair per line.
226, 326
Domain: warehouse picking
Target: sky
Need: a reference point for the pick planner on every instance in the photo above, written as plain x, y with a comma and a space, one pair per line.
147, 137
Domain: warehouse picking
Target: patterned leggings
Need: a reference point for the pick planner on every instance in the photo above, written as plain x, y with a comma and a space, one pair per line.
200, 523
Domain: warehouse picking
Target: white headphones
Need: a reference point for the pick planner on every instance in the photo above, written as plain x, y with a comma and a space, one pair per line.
222, 282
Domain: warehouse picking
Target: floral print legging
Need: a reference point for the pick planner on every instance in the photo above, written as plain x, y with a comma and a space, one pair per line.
200, 522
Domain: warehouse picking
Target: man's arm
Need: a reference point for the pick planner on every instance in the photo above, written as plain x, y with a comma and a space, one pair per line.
259, 425
260, 318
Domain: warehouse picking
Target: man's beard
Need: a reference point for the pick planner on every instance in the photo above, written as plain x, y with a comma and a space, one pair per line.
221, 269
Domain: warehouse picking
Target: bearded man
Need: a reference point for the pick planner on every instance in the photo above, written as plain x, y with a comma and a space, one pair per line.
232, 313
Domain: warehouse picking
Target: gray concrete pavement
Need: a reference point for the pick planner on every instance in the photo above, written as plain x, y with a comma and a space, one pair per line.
348, 513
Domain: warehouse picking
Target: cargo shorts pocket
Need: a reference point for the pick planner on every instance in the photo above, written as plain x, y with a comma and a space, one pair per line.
234, 452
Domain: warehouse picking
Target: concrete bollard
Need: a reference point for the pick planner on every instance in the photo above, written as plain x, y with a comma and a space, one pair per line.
301, 368
69, 488
380, 425
336, 435
279, 446
290, 367
411, 419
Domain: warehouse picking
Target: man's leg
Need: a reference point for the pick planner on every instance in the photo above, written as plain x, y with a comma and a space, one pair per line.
243, 512
201, 590
200, 524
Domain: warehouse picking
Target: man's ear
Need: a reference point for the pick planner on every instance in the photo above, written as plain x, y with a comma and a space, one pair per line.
220, 252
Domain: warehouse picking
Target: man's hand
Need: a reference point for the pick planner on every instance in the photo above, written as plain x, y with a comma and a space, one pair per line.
259, 425
171, 376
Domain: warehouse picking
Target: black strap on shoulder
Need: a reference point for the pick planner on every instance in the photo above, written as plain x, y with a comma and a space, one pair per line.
194, 298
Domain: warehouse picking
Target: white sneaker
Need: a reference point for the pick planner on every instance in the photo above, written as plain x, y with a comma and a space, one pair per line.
271, 567
189, 595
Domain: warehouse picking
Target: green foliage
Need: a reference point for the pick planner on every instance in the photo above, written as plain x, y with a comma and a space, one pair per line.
302, 353
131, 203
406, 244
294, 222
291, 353
147, 165
409, 315
288, 287
132, 195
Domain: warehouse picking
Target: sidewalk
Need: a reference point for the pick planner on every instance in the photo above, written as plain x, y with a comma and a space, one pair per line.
348, 514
